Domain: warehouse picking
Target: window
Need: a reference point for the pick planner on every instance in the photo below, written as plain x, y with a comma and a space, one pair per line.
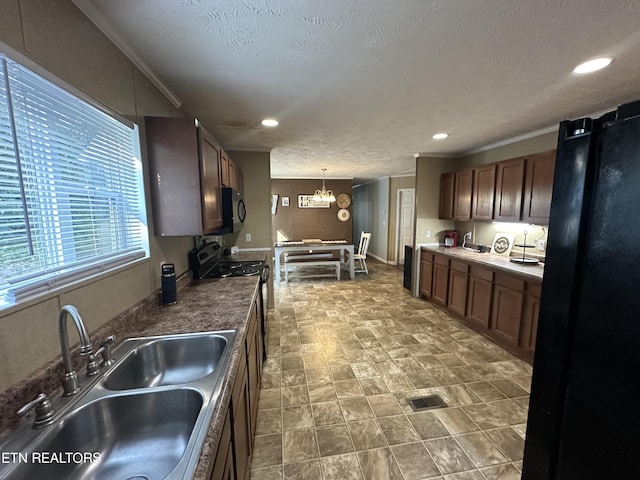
71, 191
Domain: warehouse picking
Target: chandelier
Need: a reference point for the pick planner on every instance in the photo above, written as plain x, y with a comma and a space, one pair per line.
324, 194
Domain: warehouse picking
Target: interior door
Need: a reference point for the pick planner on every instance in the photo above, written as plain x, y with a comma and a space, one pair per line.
406, 209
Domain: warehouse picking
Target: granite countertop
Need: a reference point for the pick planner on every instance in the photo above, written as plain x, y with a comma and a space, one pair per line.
206, 305
497, 262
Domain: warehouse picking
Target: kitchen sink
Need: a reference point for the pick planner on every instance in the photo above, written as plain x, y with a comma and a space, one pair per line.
167, 361
136, 436
147, 418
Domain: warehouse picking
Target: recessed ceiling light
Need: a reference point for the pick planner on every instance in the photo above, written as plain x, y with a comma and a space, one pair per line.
270, 122
592, 65
440, 136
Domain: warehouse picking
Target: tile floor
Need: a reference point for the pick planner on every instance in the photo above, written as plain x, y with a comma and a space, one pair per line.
344, 356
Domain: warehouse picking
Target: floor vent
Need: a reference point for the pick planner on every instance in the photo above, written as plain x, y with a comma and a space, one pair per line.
426, 403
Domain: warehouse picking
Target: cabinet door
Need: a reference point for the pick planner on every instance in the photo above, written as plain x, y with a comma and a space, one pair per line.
254, 360
457, 299
479, 301
440, 279
484, 186
538, 187
223, 468
462, 197
426, 276
224, 174
507, 313
241, 427
447, 190
210, 184
529, 327
509, 184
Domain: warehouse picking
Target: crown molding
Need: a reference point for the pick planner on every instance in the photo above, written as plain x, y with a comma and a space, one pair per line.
94, 14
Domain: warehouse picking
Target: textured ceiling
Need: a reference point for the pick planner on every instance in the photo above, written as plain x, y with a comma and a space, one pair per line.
360, 86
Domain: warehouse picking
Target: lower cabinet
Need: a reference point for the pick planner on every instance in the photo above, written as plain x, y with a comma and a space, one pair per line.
235, 447
480, 296
440, 279
458, 281
530, 314
501, 306
426, 274
508, 296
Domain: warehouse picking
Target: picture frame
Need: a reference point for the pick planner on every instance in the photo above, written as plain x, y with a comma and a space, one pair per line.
307, 201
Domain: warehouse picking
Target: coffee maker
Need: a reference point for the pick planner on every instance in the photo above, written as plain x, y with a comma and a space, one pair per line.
450, 238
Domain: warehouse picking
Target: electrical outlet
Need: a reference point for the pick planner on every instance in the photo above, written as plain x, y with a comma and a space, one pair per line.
428, 233
247, 237
541, 245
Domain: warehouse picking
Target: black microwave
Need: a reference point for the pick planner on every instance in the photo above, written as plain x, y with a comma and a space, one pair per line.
233, 212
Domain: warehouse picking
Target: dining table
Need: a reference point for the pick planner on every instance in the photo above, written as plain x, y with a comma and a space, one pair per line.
311, 246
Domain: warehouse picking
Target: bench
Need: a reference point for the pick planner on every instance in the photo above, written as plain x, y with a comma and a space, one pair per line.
311, 260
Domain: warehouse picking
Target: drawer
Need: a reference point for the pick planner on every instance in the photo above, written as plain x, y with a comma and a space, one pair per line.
509, 282
459, 266
534, 289
481, 272
441, 260
426, 256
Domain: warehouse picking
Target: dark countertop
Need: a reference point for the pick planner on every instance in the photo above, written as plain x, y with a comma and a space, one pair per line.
497, 262
207, 305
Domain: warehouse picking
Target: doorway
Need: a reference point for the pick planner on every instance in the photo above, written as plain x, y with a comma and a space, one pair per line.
405, 221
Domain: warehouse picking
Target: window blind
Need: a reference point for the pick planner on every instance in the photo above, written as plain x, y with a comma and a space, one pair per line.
71, 190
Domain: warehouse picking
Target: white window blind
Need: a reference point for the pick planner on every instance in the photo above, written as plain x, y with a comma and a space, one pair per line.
71, 191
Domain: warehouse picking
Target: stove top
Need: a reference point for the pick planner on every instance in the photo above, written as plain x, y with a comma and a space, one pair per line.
207, 262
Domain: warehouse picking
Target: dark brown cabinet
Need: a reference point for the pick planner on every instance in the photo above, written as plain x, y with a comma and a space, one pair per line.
480, 296
509, 185
235, 447
463, 195
538, 187
458, 282
185, 177
530, 314
508, 296
426, 274
447, 191
484, 185
440, 279
223, 466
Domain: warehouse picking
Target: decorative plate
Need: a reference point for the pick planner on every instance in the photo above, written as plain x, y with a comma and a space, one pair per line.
343, 200
343, 215
502, 244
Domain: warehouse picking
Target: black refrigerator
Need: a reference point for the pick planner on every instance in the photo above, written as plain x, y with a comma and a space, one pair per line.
585, 393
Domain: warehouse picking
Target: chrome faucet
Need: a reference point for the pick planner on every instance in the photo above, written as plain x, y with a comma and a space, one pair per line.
70, 383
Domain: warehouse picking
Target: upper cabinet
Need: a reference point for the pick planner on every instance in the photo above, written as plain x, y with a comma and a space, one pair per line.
231, 174
509, 183
463, 193
484, 187
538, 187
185, 177
513, 190
447, 190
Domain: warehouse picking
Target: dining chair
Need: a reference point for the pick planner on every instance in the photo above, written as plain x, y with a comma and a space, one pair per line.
361, 255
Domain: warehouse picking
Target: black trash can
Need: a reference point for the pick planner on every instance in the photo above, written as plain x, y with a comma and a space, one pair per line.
408, 262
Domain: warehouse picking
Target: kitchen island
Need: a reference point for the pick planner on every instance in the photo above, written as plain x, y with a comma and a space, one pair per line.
207, 305
489, 293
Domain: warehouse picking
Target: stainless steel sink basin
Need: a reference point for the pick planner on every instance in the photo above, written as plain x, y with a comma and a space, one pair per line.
146, 419
137, 436
167, 361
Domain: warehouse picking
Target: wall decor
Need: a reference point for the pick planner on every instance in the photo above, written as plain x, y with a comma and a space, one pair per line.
502, 244
343, 215
343, 200
307, 201
285, 201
